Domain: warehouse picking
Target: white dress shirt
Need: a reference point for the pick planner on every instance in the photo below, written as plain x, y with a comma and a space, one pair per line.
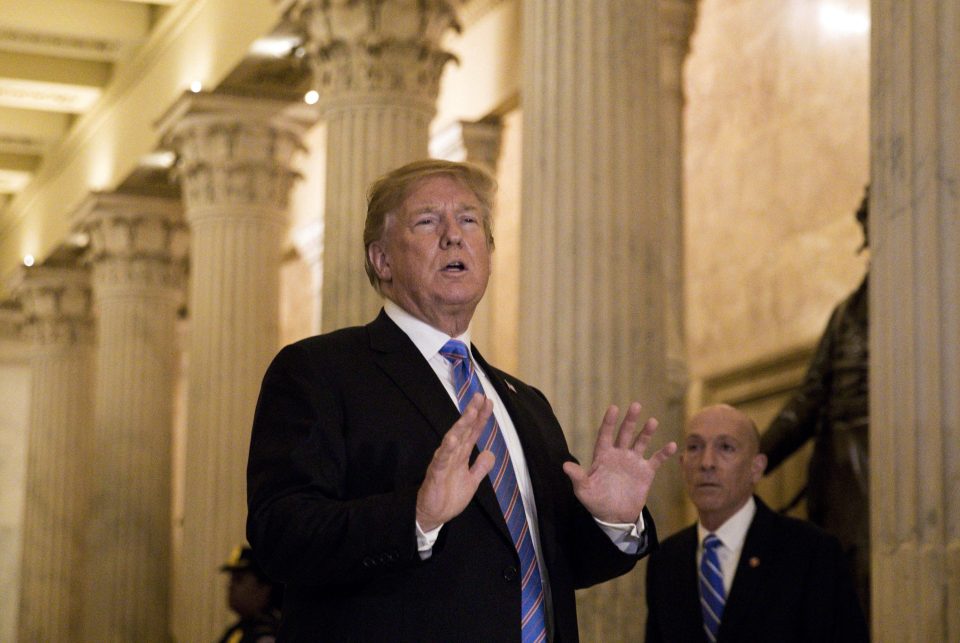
732, 533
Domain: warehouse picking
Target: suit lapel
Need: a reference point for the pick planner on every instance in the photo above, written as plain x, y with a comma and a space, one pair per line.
399, 358
755, 559
686, 600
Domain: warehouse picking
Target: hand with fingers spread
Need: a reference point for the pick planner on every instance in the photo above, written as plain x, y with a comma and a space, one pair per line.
614, 488
451, 480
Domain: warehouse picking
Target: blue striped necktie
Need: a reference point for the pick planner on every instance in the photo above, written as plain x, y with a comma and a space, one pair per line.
504, 480
712, 596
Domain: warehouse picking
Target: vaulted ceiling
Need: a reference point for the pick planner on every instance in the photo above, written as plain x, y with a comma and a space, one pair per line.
56, 58
61, 59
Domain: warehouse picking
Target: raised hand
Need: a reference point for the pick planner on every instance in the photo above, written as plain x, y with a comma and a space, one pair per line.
451, 481
615, 487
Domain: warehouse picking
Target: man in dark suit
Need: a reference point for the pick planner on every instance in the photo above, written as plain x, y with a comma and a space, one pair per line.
743, 572
368, 495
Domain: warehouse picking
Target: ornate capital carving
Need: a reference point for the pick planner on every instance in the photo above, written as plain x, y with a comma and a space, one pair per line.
57, 305
133, 227
11, 320
134, 240
235, 150
386, 49
482, 140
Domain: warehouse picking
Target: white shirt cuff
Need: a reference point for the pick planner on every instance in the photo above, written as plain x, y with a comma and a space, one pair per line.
426, 540
624, 535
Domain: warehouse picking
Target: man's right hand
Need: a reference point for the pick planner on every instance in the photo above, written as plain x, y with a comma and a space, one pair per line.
451, 481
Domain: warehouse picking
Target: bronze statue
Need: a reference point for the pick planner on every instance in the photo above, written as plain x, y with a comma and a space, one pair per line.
832, 408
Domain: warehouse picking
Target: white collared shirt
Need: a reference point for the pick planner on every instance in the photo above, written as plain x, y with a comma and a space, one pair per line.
732, 534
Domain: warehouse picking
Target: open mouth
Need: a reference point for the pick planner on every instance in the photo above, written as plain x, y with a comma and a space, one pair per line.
454, 266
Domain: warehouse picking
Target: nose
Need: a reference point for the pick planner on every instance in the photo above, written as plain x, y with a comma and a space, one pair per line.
450, 234
707, 460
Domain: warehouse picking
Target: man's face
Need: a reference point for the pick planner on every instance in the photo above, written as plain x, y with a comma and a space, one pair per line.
433, 259
246, 595
720, 463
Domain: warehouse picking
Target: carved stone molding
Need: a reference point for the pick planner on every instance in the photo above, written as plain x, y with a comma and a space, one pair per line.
135, 241
11, 320
48, 43
360, 51
235, 150
474, 141
229, 159
57, 305
133, 227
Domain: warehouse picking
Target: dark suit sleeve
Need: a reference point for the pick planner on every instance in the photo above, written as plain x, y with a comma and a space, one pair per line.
832, 611
302, 523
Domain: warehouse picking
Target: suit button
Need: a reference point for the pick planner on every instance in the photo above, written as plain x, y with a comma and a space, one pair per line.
510, 573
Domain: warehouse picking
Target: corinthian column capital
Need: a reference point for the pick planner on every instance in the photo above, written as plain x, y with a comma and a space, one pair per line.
235, 151
134, 240
57, 305
376, 48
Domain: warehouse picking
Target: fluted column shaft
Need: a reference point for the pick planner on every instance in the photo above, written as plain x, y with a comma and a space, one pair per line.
676, 26
915, 320
58, 317
377, 67
236, 176
137, 247
14, 429
591, 329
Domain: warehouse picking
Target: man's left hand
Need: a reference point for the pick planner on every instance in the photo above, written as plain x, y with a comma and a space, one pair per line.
614, 489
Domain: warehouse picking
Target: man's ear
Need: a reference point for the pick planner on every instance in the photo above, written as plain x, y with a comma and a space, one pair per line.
379, 260
757, 467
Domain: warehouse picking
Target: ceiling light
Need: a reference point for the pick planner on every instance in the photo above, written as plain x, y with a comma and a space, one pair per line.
274, 46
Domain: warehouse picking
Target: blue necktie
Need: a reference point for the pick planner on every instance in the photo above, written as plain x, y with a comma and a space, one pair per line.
504, 480
712, 596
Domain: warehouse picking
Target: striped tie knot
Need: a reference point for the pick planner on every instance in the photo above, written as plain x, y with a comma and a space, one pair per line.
455, 350
712, 594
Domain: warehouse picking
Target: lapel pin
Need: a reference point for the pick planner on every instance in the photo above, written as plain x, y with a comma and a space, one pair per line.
754, 562
510, 386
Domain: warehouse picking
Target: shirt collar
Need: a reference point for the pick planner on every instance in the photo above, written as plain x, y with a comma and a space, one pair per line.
733, 532
425, 337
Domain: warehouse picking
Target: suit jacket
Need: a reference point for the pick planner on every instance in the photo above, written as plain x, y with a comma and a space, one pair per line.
345, 427
791, 584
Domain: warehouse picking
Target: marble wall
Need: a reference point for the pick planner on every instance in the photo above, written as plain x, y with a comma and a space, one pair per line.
777, 123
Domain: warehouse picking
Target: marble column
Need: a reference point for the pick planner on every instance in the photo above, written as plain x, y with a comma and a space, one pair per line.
915, 320
377, 66
676, 26
14, 429
592, 286
59, 326
137, 248
236, 173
